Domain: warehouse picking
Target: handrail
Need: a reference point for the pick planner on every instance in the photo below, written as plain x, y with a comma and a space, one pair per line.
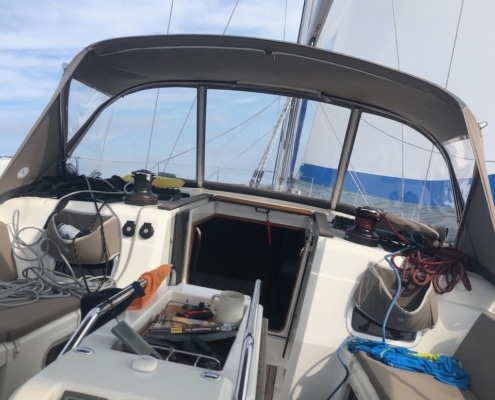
92, 316
247, 345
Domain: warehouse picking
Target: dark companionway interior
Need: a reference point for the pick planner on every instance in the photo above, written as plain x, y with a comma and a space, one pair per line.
230, 254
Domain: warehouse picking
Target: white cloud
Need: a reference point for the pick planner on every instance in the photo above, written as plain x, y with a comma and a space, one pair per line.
36, 37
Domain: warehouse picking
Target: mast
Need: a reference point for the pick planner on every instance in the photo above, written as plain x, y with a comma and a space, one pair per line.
260, 171
314, 15
282, 173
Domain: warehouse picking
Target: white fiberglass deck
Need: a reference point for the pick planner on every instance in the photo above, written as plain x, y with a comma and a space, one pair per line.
107, 373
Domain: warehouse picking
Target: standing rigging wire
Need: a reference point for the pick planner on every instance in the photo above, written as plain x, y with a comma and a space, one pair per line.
248, 120
423, 189
170, 16
263, 136
354, 177
101, 150
244, 125
258, 173
195, 98
180, 134
230, 18
396, 36
454, 45
152, 127
282, 177
431, 152
285, 18
220, 150
157, 95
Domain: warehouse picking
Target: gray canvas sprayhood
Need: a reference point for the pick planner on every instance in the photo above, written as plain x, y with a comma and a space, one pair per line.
121, 65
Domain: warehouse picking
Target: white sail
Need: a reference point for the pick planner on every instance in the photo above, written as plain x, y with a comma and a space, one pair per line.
442, 41
4, 161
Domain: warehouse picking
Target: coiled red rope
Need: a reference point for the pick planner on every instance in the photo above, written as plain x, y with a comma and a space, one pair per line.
428, 265
424, 266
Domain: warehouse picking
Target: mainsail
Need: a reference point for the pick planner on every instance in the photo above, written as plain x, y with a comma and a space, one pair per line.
442, 41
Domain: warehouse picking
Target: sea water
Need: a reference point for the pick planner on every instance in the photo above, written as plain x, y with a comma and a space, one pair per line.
435, 216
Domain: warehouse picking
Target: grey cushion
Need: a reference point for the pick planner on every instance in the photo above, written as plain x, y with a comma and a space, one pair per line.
8, 271
476, 353
397, 384
16, 322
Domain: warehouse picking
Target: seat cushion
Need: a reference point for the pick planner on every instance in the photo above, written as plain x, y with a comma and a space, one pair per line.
8, 271
477, 354
16, 322
397, 384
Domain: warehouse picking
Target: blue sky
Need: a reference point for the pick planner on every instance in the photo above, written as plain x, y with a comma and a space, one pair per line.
37, 37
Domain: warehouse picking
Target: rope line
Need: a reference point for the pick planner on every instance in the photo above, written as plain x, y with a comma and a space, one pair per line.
42, 280
423, 264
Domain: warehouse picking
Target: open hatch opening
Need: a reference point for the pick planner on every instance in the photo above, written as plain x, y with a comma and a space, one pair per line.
230, 254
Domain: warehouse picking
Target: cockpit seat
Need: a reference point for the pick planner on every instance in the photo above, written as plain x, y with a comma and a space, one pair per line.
476, 353
29, 332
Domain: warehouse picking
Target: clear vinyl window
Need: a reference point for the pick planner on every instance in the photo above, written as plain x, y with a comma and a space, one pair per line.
395, 168
151, 129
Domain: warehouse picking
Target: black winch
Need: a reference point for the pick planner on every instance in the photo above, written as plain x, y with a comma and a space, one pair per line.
363, 231
141, 194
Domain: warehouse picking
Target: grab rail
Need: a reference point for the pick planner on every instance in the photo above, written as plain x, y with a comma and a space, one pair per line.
247, 345
92, 316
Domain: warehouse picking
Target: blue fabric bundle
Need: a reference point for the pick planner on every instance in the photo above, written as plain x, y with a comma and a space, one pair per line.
446, 369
